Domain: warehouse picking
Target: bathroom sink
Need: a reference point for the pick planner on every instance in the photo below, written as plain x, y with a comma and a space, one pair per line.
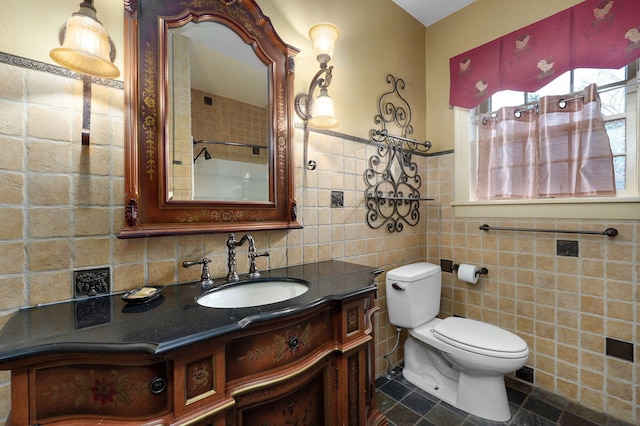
253, 293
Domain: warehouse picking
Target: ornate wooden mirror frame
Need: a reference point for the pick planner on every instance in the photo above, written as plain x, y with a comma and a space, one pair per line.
149, 211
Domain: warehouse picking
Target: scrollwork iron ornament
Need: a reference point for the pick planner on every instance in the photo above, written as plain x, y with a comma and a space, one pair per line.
393, 183
392, 192
393, 109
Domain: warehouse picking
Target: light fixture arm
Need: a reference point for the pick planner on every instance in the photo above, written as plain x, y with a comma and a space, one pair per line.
304, 102
304, 106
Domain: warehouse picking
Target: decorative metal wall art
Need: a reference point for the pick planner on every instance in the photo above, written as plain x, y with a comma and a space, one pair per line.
393, 183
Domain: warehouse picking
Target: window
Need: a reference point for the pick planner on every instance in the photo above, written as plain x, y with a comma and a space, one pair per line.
619, 98
618, 108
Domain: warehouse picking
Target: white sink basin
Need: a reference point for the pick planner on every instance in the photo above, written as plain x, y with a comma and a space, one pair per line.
253, 293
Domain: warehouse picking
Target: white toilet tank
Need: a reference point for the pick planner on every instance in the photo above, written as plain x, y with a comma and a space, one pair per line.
413, 294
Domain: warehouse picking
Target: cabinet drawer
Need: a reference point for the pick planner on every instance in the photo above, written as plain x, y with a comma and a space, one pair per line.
274, 348
110, 391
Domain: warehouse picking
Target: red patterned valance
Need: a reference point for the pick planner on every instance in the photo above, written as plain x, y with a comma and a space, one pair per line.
592, 34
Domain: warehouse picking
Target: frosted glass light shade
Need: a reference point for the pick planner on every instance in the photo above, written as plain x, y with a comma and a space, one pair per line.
86, 47
322, 114
324, 36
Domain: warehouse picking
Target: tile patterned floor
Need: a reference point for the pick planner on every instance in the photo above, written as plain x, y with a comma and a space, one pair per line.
406, 405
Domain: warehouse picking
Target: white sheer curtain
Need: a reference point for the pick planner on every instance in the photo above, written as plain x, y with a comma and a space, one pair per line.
559, 148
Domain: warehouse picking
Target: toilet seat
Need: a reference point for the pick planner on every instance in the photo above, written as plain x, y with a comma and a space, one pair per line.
481, 338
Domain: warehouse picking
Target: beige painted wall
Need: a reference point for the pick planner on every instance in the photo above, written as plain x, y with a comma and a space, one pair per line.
370, 46
30, 28
476, 24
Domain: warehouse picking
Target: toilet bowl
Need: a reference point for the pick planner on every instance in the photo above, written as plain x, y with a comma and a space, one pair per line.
459, 360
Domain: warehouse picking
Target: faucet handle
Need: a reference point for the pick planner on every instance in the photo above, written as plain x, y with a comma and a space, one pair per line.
253, 268
253, 254
205, 277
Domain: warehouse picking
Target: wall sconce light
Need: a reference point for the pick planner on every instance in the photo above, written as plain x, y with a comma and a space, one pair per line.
318, 113
87, 49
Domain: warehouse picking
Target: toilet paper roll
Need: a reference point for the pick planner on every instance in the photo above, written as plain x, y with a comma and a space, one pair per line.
468, 273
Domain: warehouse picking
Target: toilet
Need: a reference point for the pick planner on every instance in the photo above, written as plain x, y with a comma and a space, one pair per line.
459, 360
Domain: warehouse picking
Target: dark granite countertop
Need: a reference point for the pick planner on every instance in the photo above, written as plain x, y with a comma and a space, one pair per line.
106, 324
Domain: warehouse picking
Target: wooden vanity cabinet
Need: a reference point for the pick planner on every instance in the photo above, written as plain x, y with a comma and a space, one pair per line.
314, 367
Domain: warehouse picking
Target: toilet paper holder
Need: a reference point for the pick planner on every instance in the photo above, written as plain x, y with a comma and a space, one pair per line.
481, 271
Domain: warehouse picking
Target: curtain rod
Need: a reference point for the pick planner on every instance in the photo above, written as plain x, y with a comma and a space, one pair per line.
534, 105
609, 232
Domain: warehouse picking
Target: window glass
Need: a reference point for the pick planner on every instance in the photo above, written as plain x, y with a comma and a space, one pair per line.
620, 170
615, 103
616, 129
582, 77
506, 98
558, 86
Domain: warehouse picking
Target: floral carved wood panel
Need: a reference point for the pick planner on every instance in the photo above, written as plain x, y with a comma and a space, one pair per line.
256, 354
111, 390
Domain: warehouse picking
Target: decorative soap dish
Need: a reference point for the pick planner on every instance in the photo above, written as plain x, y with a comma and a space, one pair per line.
142, 294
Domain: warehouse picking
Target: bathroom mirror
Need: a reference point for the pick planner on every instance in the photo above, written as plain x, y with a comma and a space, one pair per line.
217, 115
208, 95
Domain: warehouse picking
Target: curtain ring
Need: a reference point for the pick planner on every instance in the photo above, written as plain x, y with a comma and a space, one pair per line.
484, 120
517, 113
562, 104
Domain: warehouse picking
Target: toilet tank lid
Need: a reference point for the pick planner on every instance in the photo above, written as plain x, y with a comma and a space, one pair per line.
414, 271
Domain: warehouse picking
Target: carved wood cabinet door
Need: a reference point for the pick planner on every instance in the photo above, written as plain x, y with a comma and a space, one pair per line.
308, 400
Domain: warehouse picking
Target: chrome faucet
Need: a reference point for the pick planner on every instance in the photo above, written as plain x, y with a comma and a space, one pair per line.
205, 277
232, 263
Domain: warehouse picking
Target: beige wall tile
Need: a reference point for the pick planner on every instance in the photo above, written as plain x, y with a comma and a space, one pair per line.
92, 222
12, 123
91, 252
47, 286
48, 123
127, 277
592, 379
48, 156
11, 223
12, 185
48, 190
94, 159
12, 153
91, 190
13, 257
50, 222
12, 290
49, 255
